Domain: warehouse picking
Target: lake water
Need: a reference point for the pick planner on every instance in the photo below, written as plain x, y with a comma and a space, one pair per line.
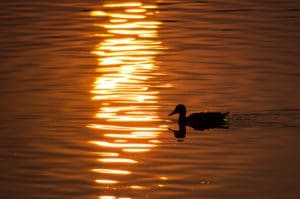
86, 88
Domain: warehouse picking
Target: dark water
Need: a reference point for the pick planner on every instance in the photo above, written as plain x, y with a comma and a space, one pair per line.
86, 87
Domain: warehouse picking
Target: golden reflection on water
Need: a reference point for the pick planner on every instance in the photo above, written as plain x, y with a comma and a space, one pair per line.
126, 89
117, 160
112, 171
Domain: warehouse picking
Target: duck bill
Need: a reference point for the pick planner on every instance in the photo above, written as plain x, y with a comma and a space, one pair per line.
172, 113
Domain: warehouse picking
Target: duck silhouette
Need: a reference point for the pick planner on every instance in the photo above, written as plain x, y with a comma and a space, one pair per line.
200, 121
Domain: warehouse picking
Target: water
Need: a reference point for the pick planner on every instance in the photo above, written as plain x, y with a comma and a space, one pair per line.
86, 88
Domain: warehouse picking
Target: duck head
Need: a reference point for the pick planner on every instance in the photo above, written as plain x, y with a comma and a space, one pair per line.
180, 108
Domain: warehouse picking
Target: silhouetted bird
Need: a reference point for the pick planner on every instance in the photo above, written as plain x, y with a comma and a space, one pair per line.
200, 121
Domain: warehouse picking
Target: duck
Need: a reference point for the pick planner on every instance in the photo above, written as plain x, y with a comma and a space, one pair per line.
202, 120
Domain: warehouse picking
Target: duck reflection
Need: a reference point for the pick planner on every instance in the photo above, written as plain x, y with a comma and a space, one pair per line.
179, 134
198, 121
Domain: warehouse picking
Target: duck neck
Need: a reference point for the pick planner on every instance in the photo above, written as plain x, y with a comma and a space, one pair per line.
182, 117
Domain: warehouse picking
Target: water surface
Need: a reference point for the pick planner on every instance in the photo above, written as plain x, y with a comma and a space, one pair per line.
86, 88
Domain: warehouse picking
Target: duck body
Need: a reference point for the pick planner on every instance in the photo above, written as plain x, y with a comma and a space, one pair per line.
202, 120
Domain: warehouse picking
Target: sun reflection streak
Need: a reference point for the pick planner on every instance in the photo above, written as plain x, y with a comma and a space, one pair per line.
117, 145
130, 136
137, 10
102, 181
107, 197
107, 154
111, 171
124, 128
117, 160
136, 187
113, 197
135, 150
128, 118
127, 4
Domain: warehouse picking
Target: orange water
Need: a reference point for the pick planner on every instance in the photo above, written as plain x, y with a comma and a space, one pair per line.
86, 88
